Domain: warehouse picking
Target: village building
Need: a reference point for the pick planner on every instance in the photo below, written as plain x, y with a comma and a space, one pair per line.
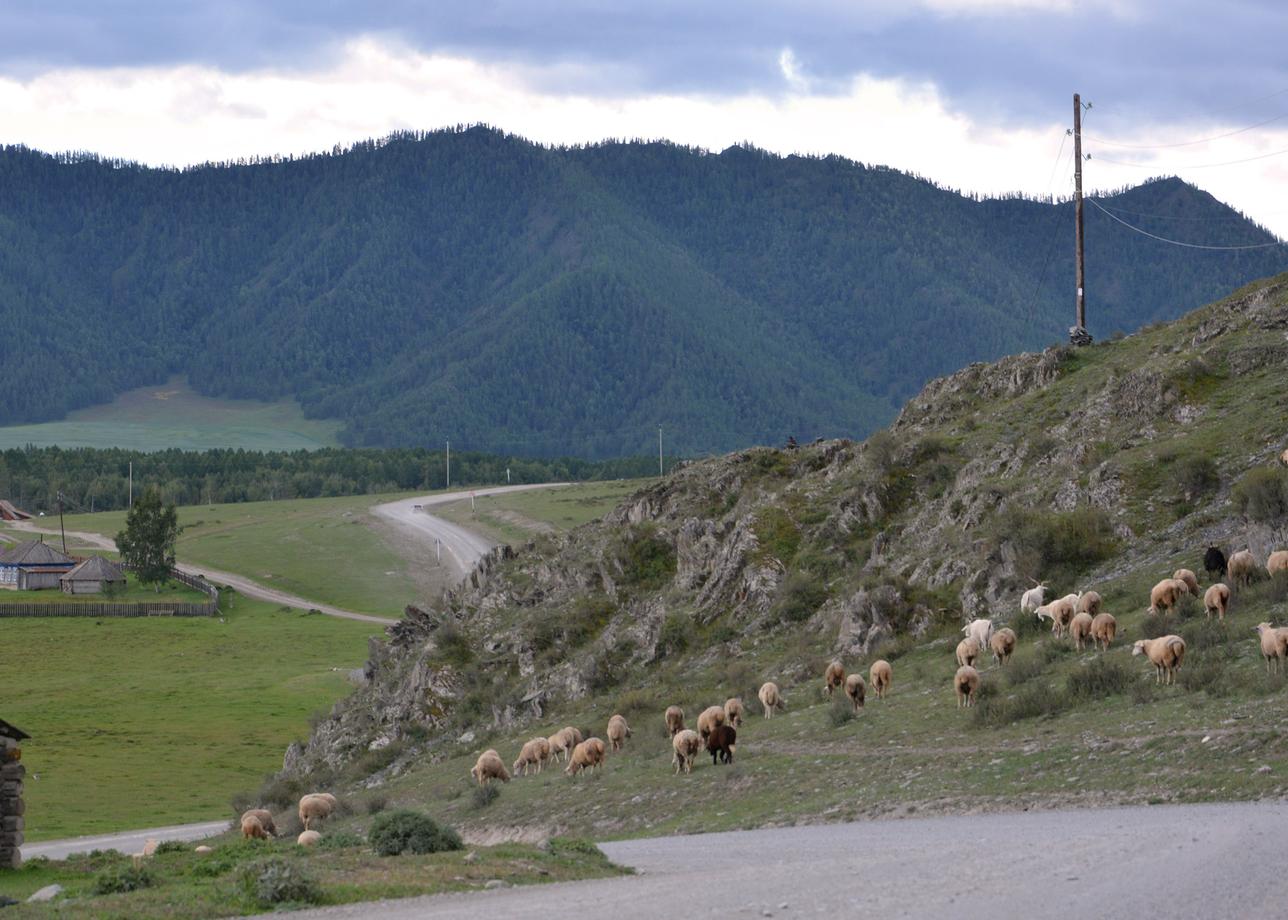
92, 576
33, 565
10, 513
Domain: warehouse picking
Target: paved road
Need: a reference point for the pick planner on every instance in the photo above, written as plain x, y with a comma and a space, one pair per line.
128, 842
1199, 861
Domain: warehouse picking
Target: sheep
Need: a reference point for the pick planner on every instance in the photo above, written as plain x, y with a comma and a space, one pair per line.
979, 630
1216, 599
1214, 562
1033, 598
686, 744
771, 698
722, 744
1274, 645
1002, 645
589, 755
1283, 458
1166, 653
1059, 612
563, 741
308, 839
1242, 568
1080, 629
488, 767
1165, 595
534, 754
1104, 627
833, 677
967, 651
1089, 603
252, 829
265, 819
674, 720
1278, 562
880, 677
856, 690
319, 805
710, 718
618, 732
733, 711
965, 683
203, 849
1190, 579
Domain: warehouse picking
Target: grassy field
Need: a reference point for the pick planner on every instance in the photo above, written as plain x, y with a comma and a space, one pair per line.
133, 591
513, 517
153, 721
172, 415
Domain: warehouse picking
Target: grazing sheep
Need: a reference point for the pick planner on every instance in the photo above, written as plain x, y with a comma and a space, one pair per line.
965, 683
1165, 595
967, 651
319, 805
979, 630
1191, 581
308, 839
564, 740
710, 718
618, 732
1166, 653
722, 744
1278, 562
686, 745
1214, 563
733, 711
1243, 568
833, 677
252, 829
856, 690
1089, 603
1080, 629
1002, 645
1104, 627
1283, 458
674, 720
203, 849
880, 676
1216, 599
265, 818
589, 755
771, 698
1059, 612
1033, 598
488, 767
1274, 645
534, 754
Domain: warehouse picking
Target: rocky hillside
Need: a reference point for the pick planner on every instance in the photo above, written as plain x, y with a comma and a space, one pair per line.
1070, 466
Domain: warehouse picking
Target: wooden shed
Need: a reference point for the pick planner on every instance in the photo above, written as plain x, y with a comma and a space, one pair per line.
92, 576
33, 565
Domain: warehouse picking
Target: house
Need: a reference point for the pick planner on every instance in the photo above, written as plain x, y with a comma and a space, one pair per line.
92, 576
33, 565
9, 513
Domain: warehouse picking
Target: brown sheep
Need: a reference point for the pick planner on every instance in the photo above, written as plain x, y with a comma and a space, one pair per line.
1002, 645
1283, 458
710, 718
1089, 603
1216, 599
308, 839
1274, 646
252, 829
563, 741
488, 767
265, 819
1243, 568
1080, 629
1278, 562
1191, 581
589, 755
1166, 653
1059, 612
534, 754
618, 732
1165, 595
686, 745
1104, 627
722, 744
880, 677
317, 806
833, 677
856, 690
967, 651
733, 711
965, 683
674, 720
770, 698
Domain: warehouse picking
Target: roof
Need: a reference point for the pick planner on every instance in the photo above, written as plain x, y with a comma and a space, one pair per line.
34, 553
12, 731
9, 513
95, 568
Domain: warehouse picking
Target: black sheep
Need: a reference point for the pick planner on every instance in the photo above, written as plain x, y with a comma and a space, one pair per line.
721, 743
1214, 562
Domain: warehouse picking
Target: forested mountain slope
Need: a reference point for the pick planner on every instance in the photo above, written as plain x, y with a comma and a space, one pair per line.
472, 285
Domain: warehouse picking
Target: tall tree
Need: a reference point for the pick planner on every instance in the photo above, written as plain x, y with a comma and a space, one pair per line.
147, 542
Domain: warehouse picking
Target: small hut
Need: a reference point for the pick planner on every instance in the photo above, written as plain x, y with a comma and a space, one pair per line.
92, 577
9, 512
33, 565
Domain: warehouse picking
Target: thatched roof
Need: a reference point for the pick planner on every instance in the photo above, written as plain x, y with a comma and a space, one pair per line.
34, 553
95, 568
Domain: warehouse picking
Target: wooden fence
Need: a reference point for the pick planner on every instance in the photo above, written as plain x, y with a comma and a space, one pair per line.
107, 608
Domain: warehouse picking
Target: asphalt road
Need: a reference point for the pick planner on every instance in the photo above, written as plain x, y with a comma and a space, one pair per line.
1199, 861
127, 842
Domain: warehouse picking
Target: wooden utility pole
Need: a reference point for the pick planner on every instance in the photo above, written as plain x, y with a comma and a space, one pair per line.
1078, 334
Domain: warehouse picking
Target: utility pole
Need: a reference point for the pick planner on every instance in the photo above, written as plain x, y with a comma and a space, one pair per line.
1078, 334
131, 483
449, 463
659, 450
62, 529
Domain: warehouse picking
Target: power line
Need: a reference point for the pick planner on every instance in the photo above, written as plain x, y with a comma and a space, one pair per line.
1235, 217
1201, 140
1163, 239
1264, 156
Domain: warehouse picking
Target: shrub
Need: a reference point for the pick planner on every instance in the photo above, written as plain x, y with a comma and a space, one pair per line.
1054, 651
453, 645
1101, 678
675, 635
724, 633
1262, 494
172, 846
1196, 475
395, 832
777, 536
484, 796
341, 840
1031, 701
1204, 634
1026, 625
1154, 625
376, 804
122, 878
1206, 673
840, 712
1022, 670
799, 597
273, 881
1061, 544
611, 666
1142, 692
647, 560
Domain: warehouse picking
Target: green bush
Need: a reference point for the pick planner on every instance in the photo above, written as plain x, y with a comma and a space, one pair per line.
647, 560
1058, 545
800, 595
453, 645
341, 840
274, 881
777, 535
1196, 476
1262, 494
675, 635
122, 878
1022, 670
1206, 674
395, 832
611, 666
840, 712
1101, 678
1154, 625
1031, 701
485, 795
1027, 625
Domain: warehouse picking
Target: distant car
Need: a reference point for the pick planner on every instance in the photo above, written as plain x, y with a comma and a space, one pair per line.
416, 507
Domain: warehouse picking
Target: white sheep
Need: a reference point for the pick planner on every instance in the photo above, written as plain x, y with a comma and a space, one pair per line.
979, 630
1274, 645
1216, 599
881, 677
265, 819
1002, 645
308, 839
1166, 653
1059, 612
686, 745
1080, 629
967, 651
534, 754
563, 741
488, 767
1243, 568
674, 720
251, 829
1190, 579
711, 717
1278, 562
1165, 595
733, 711
1104, 626
317, 806
770, 698
589, 755
965, 683
1032, 599
618, 732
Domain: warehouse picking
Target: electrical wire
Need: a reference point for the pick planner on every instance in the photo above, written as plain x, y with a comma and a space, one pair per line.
1201, 140
1163, 239
1235, 217
1264, 156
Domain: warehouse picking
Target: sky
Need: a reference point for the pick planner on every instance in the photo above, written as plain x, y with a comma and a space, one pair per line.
975, 94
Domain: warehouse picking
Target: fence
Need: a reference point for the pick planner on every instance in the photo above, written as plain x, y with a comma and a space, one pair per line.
206, 608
